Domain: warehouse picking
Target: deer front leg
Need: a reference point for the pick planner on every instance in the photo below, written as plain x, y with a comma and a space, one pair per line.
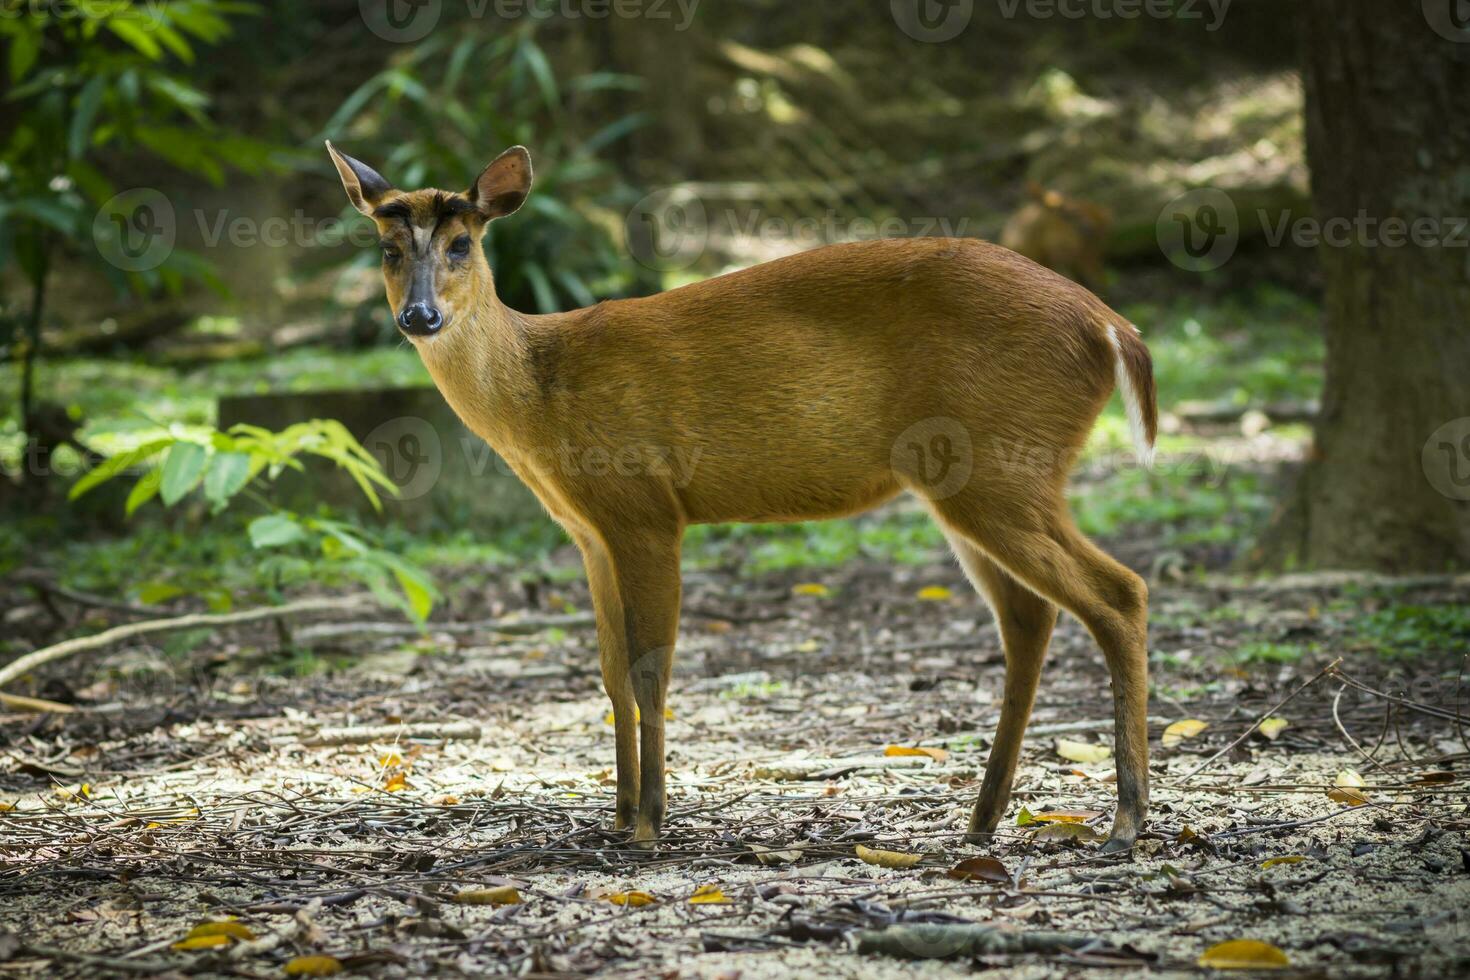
647, 569
612, 648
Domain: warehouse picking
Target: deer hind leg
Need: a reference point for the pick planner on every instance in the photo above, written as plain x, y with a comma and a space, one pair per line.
646, 565
1025, 621
612, 646
1037, 544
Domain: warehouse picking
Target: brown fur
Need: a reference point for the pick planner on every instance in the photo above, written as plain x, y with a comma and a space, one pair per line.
792, 391
1067, 235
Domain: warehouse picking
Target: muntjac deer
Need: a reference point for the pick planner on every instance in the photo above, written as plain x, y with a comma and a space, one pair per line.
1065, 234
814, 386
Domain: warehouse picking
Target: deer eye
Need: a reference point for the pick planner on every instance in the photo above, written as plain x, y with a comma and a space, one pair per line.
390, 253
460, 247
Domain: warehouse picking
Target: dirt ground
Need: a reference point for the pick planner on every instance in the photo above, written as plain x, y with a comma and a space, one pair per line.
194, 793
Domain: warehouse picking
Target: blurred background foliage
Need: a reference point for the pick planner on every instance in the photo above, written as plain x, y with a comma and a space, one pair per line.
771, 113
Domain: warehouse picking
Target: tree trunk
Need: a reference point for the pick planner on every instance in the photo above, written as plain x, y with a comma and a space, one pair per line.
1387, 486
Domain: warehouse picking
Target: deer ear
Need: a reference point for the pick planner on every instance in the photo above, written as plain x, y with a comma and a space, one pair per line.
364, 185
504, 185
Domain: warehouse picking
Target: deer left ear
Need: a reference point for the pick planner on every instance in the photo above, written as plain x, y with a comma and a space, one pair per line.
504, 185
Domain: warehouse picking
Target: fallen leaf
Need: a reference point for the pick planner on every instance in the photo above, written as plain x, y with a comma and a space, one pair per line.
1243, 954
504, 895
1181, 730
1065, 816
1025, 818
389, 759
708, 895
887, 859
1272, 727
221, 928
812, 589
1423, 779
630, 899
1082, 751
74, 793
202, 942
981, 869
313, 966
934, 593
1283, 859
1349, 789
938, 755
396, 783
1065, 831
772, 855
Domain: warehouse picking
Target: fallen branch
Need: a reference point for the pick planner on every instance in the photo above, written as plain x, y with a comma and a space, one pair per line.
950, 939
366, 735
117, 634
16, 702
515, 626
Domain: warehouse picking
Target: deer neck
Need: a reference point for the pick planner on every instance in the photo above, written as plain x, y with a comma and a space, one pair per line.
480, 365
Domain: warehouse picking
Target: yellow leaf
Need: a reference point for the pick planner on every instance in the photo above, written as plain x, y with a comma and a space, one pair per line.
1272, 727
1082, 751
1349, 789
1025, 818
232, 929
313, 966
1243, 954
390, 759
396, 783
74, 793
888, 859
934, 593
938, 755
1065, 816
812, 589
1283, 859
202, 942
808, 646
6, 807
504, 895
1181, 730
708, 895
630, 899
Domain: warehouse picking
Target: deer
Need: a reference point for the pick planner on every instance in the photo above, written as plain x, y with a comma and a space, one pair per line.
1067, 235
814, 386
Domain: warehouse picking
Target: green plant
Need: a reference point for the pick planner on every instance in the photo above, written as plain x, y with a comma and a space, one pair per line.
94, 79
436, 118
222, 466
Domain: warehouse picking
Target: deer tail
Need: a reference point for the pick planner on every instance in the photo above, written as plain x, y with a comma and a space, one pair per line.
1134, 372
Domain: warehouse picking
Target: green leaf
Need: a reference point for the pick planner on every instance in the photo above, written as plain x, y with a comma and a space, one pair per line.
25, 48
417, 590
274, 530
152, 593
113, 465
135, 35
80, 135
144, 490
182, 468
227, 476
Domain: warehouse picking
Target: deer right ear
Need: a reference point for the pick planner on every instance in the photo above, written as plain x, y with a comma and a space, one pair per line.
504, 185
365, 186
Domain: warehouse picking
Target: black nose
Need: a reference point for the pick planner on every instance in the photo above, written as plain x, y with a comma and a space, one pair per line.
420, 320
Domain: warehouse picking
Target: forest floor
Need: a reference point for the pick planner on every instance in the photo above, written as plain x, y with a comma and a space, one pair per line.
191, 789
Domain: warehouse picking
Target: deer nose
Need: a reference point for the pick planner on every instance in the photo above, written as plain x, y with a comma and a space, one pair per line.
420, 320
